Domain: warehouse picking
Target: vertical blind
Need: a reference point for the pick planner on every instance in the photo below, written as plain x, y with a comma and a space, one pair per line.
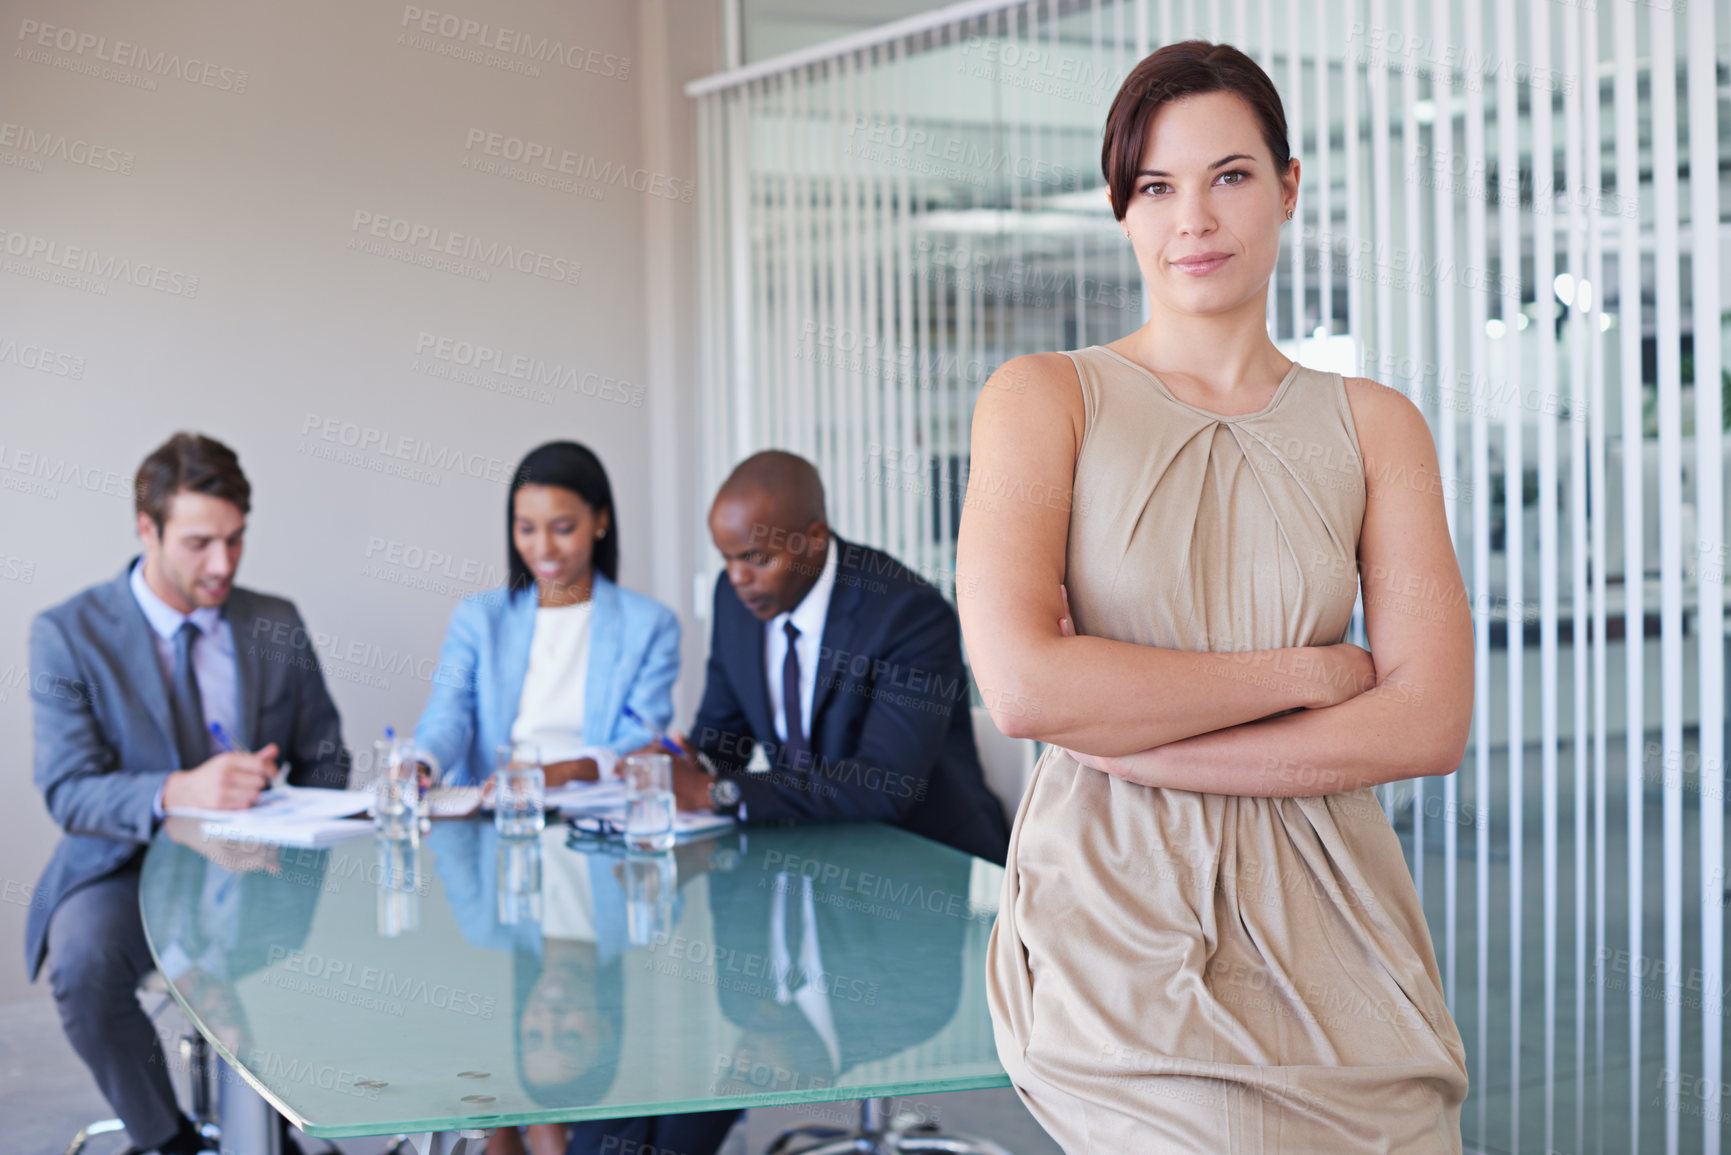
1512, 213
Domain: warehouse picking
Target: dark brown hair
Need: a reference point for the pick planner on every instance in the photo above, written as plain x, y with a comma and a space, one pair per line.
192, 462
1186, 68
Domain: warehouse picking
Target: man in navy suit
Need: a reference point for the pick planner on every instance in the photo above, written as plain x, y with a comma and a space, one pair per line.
130, 681
839, 668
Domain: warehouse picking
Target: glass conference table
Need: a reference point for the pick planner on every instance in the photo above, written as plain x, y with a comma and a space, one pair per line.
459, 982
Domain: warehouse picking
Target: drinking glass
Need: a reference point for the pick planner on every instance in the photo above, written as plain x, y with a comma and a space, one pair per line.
396, 788
425, 766
519, 790
649, 802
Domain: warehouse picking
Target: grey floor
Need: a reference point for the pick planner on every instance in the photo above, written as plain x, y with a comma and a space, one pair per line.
1580, 1085
1520, 1101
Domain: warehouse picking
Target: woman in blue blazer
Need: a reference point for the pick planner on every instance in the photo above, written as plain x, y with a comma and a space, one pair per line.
556, 655
554, 658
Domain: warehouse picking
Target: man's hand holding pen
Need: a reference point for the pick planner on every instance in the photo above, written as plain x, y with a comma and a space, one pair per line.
231, 780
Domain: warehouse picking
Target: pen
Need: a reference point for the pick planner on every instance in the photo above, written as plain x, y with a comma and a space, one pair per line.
230, 746
222, 739
661, 738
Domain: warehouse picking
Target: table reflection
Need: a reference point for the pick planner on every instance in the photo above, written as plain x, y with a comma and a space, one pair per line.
827, 940
221, 911
562, 919
518, 869
399, 883
598, 978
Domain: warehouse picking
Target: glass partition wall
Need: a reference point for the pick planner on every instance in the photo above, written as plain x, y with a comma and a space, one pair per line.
1513, 213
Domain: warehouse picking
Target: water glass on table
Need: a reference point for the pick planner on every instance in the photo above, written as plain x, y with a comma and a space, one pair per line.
649, 802
519, 790
396, 804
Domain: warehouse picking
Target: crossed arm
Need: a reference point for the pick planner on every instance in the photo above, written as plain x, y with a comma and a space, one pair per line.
1180, 719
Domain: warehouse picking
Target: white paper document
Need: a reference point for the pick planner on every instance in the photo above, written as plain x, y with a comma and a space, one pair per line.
286, 804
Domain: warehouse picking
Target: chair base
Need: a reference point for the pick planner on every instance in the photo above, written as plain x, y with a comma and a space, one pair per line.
211, 1133
195, 1053
878, 1134
91, 1131
466, 1142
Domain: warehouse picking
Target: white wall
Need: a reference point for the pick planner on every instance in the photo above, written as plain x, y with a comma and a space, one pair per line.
214, 264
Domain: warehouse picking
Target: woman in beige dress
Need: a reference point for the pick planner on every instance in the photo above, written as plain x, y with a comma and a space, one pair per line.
1208, 939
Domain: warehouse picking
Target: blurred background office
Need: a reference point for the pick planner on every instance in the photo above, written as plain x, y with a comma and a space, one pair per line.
382, 249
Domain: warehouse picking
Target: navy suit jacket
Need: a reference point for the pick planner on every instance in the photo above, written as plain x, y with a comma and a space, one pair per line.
892, 736
104, 735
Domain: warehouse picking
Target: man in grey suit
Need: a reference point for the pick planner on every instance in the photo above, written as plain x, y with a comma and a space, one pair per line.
165, 687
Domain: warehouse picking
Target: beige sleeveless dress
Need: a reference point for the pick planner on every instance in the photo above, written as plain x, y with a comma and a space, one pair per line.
1181, 972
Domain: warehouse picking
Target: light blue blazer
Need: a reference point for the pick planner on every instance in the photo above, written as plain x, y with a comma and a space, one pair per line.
633, 657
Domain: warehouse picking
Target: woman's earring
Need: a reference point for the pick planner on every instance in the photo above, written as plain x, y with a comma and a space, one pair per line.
1289, 213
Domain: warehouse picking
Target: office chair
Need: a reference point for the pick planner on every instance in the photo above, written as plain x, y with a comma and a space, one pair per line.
194, 1052
879, 1133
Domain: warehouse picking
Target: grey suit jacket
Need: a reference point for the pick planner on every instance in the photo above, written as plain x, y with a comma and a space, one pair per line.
104, 735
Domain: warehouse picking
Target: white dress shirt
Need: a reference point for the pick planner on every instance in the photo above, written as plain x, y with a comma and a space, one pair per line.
808, 617
212, 656
803, 958
212, 662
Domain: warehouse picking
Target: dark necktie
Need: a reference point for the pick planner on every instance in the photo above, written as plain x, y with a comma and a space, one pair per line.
797, 749
189, 732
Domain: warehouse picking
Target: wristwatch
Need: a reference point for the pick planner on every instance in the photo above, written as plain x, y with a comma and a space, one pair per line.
723, 794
